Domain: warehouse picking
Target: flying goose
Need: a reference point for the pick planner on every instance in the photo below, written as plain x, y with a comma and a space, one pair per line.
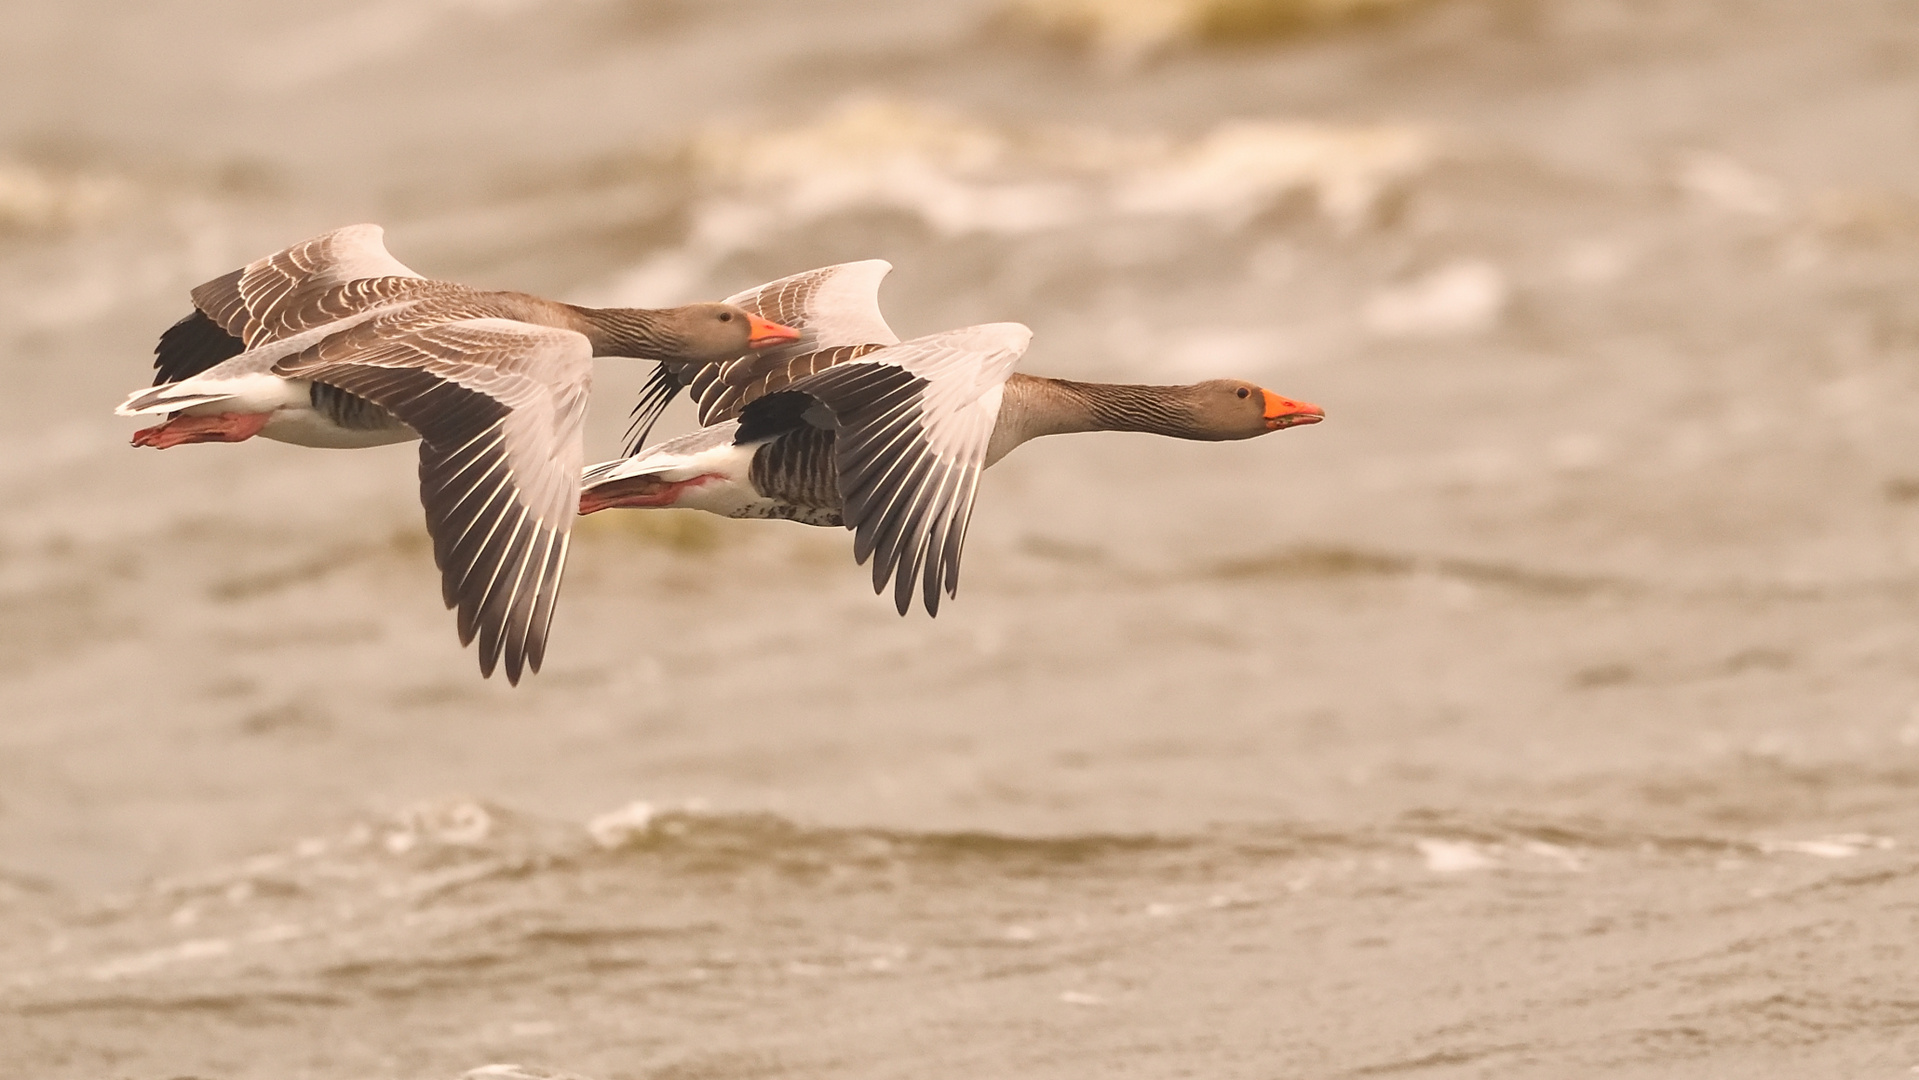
334, 343
849, 426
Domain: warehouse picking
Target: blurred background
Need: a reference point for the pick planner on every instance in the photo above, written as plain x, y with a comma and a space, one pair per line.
1551, 710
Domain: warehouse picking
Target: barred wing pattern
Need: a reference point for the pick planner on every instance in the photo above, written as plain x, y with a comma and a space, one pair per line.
312, 283
499, 405
836, 309
832, 305
287, 292
913, 421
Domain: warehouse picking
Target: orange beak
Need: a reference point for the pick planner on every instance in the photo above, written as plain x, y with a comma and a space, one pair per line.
1285, 412
768, 333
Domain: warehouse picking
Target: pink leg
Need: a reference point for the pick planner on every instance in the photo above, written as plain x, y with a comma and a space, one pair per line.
226, 427
638, 491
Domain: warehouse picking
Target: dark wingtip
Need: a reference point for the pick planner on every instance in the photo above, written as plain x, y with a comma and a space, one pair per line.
931, 591
536, 645
191, 346
904, 580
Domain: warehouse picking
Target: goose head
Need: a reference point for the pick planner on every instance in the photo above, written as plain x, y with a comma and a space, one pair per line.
714, 332
1234, 409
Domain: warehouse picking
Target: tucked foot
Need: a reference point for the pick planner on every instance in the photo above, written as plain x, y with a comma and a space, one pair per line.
646, 492
225, 427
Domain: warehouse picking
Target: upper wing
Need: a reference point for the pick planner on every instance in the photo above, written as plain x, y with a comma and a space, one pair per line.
834, 305
913, 421
309, 284
499, 406
835, 308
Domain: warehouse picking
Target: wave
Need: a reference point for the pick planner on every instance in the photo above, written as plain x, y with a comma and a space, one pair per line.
958, 176
1129, 29
450, 887
38, 201
468, 927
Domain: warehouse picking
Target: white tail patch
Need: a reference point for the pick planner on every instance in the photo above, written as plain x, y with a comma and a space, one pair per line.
164, 399
249, 391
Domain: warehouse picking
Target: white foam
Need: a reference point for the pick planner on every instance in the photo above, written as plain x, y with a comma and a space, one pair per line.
457, 823
1565, 857
1726, 184
142, 963
1463, 297
1075, 997
1244, 167
1453, 856
960, 176
517, 1072
1836, 846
1206, 350
616, 827
32, 200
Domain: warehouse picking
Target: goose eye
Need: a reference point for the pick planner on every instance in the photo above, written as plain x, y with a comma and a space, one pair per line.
727, 316
1243, 392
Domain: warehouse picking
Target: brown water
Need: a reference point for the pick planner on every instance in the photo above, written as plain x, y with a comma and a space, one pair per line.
1552, 710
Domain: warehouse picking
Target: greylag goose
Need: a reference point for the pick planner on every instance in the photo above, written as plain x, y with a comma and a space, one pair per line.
334, 343
849, 426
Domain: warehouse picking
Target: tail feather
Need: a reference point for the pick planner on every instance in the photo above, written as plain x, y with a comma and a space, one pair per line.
168, 398
623, 469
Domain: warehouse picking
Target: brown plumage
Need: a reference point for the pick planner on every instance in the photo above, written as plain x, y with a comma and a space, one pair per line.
333, 342
848, 426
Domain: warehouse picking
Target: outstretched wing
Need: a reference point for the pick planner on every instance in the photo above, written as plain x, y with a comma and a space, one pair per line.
913, 421
499, 406
317, 281
835, 308
833, 305
299, 288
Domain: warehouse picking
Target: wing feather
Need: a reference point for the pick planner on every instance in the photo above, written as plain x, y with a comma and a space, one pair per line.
190, 346
314, 282
836, 309
499, 405
913, 421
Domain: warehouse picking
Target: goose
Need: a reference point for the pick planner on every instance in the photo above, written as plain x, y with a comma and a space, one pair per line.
334, 343
849, 426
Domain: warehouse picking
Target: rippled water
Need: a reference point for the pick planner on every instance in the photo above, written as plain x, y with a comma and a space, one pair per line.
1549, 711
683, 943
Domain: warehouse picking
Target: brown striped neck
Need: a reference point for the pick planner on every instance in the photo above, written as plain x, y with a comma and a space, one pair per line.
1034, 406
643, 333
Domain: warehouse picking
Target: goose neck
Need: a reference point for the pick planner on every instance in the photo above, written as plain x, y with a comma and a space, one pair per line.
635, 332
1034, 406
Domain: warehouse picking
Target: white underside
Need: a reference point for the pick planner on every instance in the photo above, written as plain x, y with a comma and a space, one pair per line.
288, 403
709, 452
246, 384
304, 427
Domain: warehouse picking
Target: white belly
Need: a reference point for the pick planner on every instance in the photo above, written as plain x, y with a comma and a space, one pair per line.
289, 404
304, 427
727, 496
